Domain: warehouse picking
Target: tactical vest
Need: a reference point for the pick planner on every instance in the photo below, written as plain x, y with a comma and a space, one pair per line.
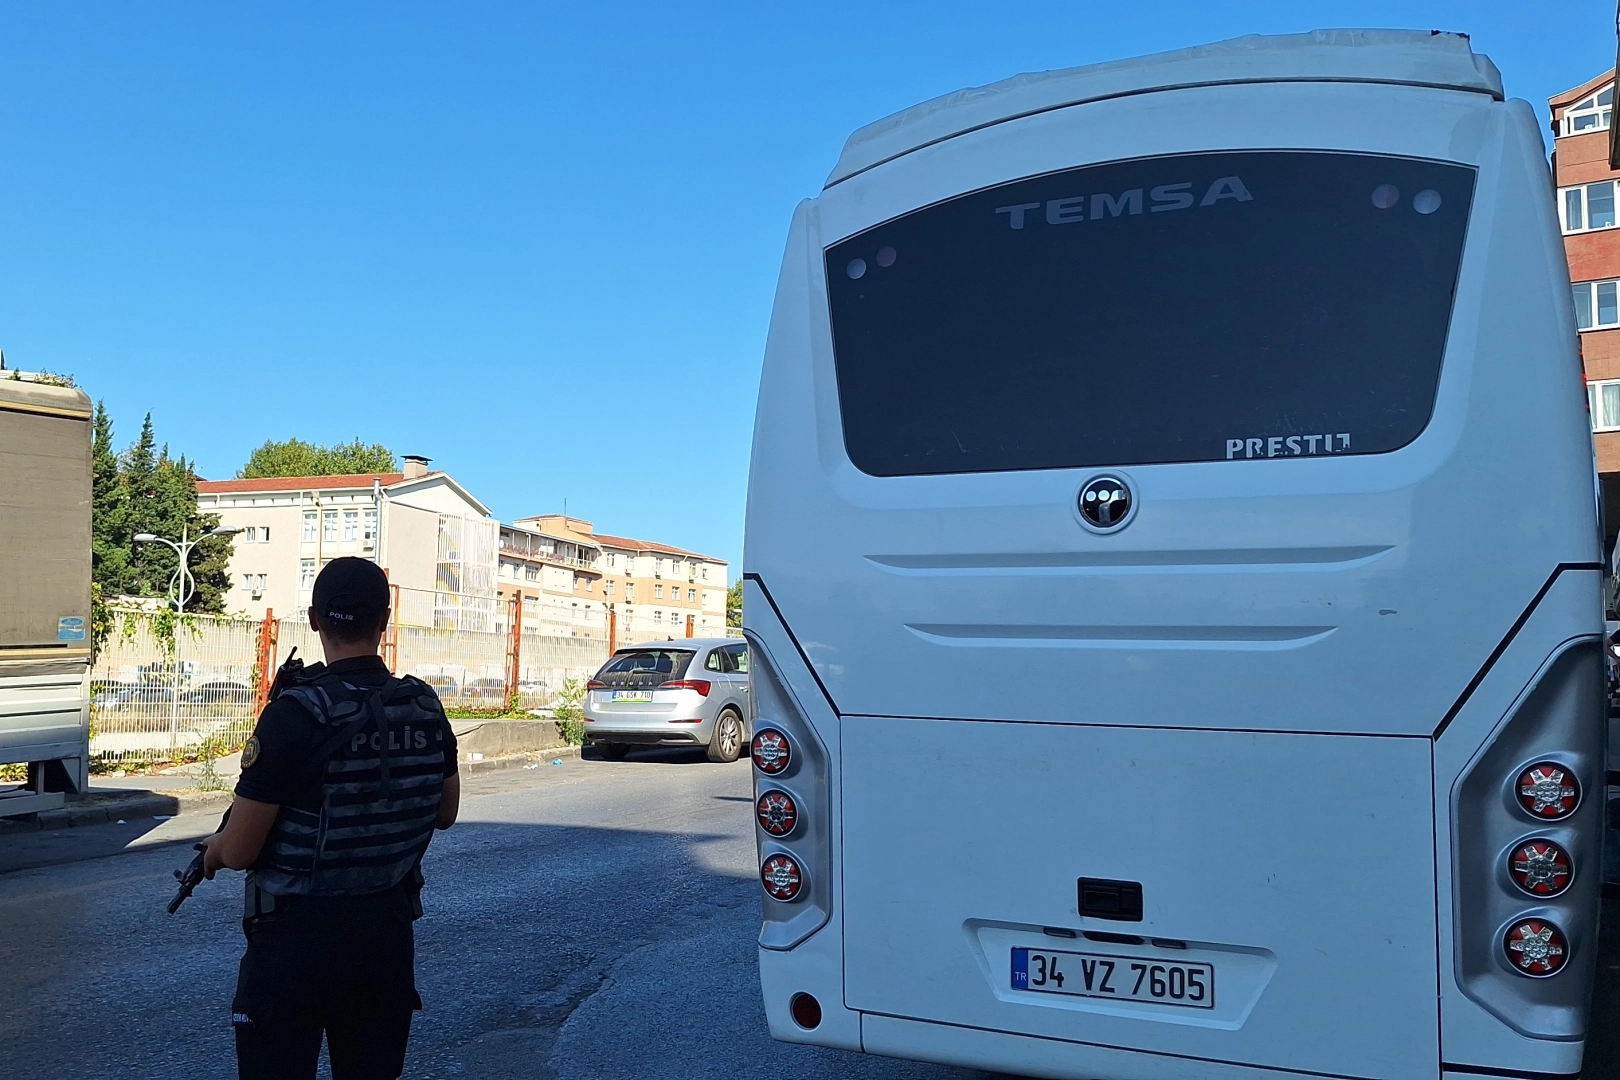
381, 784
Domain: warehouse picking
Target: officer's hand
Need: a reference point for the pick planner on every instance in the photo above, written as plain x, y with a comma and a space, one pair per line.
212, 863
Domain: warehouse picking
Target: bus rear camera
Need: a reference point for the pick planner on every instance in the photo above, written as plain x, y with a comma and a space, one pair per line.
1426, 201
1385, 196
856, 268
886, 257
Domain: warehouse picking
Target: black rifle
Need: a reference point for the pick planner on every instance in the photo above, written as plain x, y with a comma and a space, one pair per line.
193, 873
288, 673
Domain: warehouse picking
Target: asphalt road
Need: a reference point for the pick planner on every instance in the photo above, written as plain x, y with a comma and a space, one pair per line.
587, 921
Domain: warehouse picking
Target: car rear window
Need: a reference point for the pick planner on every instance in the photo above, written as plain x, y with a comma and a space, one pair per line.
1206, 307
642, 668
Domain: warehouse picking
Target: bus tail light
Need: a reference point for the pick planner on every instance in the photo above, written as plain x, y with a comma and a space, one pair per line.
782, 877
700, 685
806, 1011
1525, 902
1548, 790
792, 801
771, 751
777, 812
1540, 867
1536, 947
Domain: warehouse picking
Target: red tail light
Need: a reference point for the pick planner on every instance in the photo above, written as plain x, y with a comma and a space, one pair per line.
1535, 947
596, 684
1548, 790
781, 877
700, 685
771, 752
777, 812
1540, 867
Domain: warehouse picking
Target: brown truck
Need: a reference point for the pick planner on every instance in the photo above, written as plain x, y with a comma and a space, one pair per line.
45, 633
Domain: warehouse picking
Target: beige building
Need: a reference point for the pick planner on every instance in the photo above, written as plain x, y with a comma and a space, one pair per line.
643, 590
557, 578
437, 542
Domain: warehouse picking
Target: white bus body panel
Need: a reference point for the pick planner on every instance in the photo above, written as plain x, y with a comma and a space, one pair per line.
1234, 700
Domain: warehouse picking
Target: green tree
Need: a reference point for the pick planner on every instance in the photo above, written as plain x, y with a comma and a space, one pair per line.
157, 494
295, 457
734, 604
109, 511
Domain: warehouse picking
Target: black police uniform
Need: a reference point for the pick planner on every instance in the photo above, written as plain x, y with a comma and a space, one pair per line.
357, 760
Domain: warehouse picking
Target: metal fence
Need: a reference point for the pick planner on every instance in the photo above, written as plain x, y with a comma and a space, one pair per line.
156, 699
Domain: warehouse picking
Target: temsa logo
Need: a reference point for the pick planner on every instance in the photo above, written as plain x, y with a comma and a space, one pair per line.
1159, 199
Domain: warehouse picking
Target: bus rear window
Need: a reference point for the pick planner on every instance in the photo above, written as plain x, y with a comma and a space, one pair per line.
1207, 307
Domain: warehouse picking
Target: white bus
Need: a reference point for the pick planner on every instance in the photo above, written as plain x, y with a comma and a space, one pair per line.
1173, 576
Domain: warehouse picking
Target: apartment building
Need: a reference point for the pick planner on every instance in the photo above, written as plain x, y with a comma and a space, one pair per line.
1581, 122
643, 589
557, 579
435, 539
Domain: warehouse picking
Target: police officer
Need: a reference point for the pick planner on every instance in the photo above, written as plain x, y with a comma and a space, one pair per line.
346, 777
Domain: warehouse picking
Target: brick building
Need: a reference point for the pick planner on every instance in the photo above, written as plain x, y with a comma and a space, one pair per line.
1581, 119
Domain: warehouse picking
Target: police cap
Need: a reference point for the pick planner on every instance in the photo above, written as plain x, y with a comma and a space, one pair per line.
348, 591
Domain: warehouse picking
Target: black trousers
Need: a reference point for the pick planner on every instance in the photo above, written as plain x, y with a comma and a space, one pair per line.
342, 969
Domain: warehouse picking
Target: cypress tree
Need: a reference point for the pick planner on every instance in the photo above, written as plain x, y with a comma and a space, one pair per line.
109, 512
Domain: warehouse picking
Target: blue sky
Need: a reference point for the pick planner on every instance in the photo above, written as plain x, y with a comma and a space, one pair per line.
537, 243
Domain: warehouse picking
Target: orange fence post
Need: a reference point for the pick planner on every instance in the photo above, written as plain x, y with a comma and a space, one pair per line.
390, 641
514, 646
613, 629
269, 638
689, 626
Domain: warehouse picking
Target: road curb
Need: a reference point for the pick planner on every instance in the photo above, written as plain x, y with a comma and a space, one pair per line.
103, 808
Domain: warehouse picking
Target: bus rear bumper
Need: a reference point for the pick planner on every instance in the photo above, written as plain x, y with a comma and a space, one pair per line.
1026, 1055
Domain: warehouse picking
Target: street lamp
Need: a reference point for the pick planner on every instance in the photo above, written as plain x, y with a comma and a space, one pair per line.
182, 584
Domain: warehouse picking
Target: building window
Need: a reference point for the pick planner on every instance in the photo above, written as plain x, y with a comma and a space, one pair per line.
351, 525
658, 617
306, 574
1604, 399
308, 535
264, 534
705, 573
250, 535
368, 520
607, 588
658, 592
531, 573
1596, 305
1593, 114
329, 526
590, 584
691, 596
1588, 207
629, 592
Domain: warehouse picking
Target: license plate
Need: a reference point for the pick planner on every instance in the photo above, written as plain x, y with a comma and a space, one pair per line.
1125, 978
632, 695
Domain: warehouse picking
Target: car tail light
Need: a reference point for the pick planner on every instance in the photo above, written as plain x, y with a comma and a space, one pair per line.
700, 685
1535, 947
777, 812
1548, 790
771, 751
782, 878
1540, 867
596, 684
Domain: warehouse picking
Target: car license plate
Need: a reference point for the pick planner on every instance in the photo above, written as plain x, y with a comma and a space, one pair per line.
1127, 978
632, 695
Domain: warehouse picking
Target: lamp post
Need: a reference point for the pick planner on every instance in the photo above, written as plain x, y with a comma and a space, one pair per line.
181, 587
182, 584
